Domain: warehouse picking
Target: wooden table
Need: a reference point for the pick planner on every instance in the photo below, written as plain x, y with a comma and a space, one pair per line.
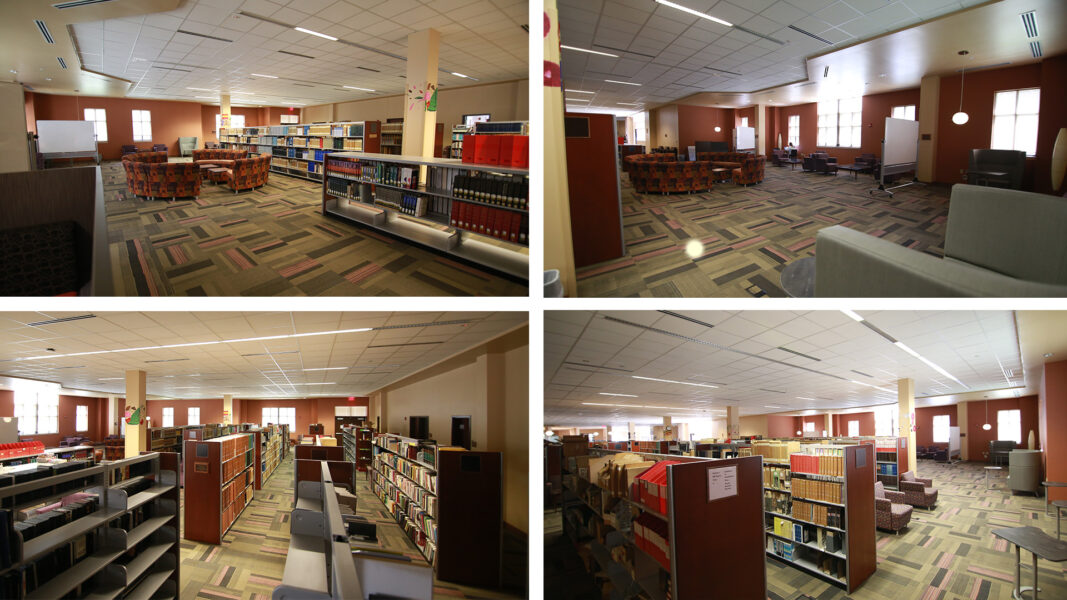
793, 162
717, 173
1038, 543
204, 169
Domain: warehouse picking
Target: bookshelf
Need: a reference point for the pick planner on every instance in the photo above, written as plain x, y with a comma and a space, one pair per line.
269, 452
456, 147
478, 213
819, 514
165, 439
649, 529
357, 444
891, 460
299, 150
449, 501
393, 138
118, 536
220, 477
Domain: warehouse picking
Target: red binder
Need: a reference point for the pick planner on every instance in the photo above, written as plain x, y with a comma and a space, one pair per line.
520, 151
507, 149
470, 147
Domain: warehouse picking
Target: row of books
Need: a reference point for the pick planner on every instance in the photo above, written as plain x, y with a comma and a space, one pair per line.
501, 191
35, 471
825, 491
774, 450
426, 478
887, 469
829, 464
889, 456
417, 494
17, 583
407, 448
776, 502
421, 540
234, 444
405, 203
40, 524
235, 465
425, 517
778, 478
502, 224
819, 514
503, 150
235, 495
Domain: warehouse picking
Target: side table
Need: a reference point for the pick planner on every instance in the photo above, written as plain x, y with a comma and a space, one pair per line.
987, 470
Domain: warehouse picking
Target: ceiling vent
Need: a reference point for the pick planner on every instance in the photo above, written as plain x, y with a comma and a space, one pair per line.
62, 62
1029, 24
79, 3
63, 320
369, 69
296, 54
723, 71
1035, 49
811, 35
44, 31
204, 35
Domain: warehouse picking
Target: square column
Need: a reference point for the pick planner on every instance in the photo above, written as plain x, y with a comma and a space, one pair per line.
137, 406
906, 408
733, 422
420, 103
227, 409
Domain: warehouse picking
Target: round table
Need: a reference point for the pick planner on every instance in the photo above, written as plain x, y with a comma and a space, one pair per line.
798, 278
987, 470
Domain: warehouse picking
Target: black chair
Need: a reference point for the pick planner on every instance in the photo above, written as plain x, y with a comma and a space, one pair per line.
983, 163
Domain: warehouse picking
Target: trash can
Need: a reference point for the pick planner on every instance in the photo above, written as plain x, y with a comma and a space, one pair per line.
553, 286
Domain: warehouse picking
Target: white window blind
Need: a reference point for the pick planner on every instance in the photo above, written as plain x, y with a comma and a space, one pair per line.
839, 123
1009, 425
853, 428
904, 112
81, 418
168, 416
142, 126
194, 415
941, 425
794, 130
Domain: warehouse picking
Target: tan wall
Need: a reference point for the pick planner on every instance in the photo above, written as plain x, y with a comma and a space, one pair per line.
663, 123
13, 128
754, 425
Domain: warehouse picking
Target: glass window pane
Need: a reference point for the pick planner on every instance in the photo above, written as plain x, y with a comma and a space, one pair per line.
910, 112
1004, 103
1026, 134
1003, 133
1029, 102
853, 428
857, 133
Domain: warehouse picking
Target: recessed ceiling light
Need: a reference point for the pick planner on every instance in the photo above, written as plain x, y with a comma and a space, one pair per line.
587, 50
672, 381
579, 92
610, 394
352, 87
852, 315
622, 82
315, 33
695, 13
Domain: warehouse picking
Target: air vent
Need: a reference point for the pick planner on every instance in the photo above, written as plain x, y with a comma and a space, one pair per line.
369, 69
861, 373
811, 35
63, 320
79, 3
1029, 24
296, 54
622, 50
302, 85
800, 354
166, 360
204, 35
826, 71
171, 69
62, 62
44, 31
759, 35
723, 71
984, 67
1035, 49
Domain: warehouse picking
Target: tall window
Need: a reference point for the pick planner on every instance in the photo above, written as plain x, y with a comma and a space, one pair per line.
809, 427
168, 416
904, 112
1015, 121
640, 126
853, 428
236, 121
81, 418
37, 411
744, 121
941, 425
839, 122
280, 415
885, 420
643, 433
289, 120
619, 433
1009, 425
794, 130
194, 415
142, 126
99, 118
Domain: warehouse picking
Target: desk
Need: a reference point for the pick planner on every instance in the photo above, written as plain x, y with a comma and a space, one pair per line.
798, 278
1038, 543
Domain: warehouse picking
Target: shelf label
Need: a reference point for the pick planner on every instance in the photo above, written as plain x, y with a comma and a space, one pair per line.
722, 483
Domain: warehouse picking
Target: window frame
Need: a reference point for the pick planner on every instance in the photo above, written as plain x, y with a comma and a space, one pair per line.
81, 418
1014, 116
744, 121
233, 121
913, 108
189, 419
793, 130
855, 125
97, 121
166, 414
809, 426
854, 428
947, 429
1018, 423
142, 122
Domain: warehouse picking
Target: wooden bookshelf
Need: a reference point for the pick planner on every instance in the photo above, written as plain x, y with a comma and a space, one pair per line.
665, 553
891, 460
357, 444
268, 445
448, 500
165, 439
299, 150
456, 147
819, 516
220, 477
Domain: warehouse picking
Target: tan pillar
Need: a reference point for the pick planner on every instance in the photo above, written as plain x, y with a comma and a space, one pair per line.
559, 247
224, 110
829, 425
420, 105
733, 422
631, 431
961, 420
761, 132
227, 409
906, 408
136, 397
114, 413
666, 425
929, 94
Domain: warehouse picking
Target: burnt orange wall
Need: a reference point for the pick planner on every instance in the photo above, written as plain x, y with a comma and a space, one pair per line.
31, 117
1053, 117
1053, 418
978, 439
866, 420
210, 411
697, 123
67, 417
781, 426
924, 420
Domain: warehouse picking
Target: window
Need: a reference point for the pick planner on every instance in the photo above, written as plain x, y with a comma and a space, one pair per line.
853, 428
1015, 121
236, 121
619, 433
290, 119
794, 130
81, 418
194, 415
37, 411
168, 416
1009, 425
941, 424
839, 122
142, 127
643, 433
885, 420
280, 415
470, 120
904, 112
640, 127
809, 427
47, 413
99, 118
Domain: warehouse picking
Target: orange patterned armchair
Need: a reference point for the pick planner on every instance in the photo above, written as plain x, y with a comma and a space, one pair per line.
629, 163
145, 157
664, 177
162, 180
222, 158
750, 171
248, 173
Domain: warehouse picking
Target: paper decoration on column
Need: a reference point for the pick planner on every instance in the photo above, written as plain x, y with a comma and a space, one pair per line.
552, 72
425, 94
134, 415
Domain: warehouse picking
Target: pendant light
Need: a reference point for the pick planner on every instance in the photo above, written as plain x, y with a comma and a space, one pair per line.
961, 117
986, 426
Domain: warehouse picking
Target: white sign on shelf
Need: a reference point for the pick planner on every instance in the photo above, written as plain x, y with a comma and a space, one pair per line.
722, 482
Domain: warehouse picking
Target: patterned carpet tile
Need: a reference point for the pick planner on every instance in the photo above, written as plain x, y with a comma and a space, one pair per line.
734, 241
273, 241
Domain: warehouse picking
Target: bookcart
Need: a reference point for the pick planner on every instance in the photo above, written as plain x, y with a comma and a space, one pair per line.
219, 482
448, 500
476, 212
891, 460
651, 536
819, 512
117, 536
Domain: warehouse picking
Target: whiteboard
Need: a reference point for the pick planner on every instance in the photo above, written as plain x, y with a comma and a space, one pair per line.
744, 138
901, 142
65, 136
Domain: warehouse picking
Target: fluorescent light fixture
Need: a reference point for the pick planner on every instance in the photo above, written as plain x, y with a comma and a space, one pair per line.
805, 398
852, 315
873, 386
695, 13
315, 33
328, 369
769, 406
352, 87
629, 103
622, 82
599, 404
565, 47
610, 394
200, 89
578, 100
285, 384
261, 75
460, 75
928, 362
672, 381
208, 97
111, 378
579, 92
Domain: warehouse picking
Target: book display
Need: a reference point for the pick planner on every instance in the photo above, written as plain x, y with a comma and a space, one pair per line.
111, 532
269, 452
299, 150
891, 459
646, 520
448, 501
206, 432
220, 475
819, 510
476, 212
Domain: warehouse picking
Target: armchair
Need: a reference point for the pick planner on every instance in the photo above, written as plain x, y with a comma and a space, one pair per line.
1001, 243
890, 510
1010, 162
999, 451
917, 490
159, 148
186, 145
826, 165
129, 149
